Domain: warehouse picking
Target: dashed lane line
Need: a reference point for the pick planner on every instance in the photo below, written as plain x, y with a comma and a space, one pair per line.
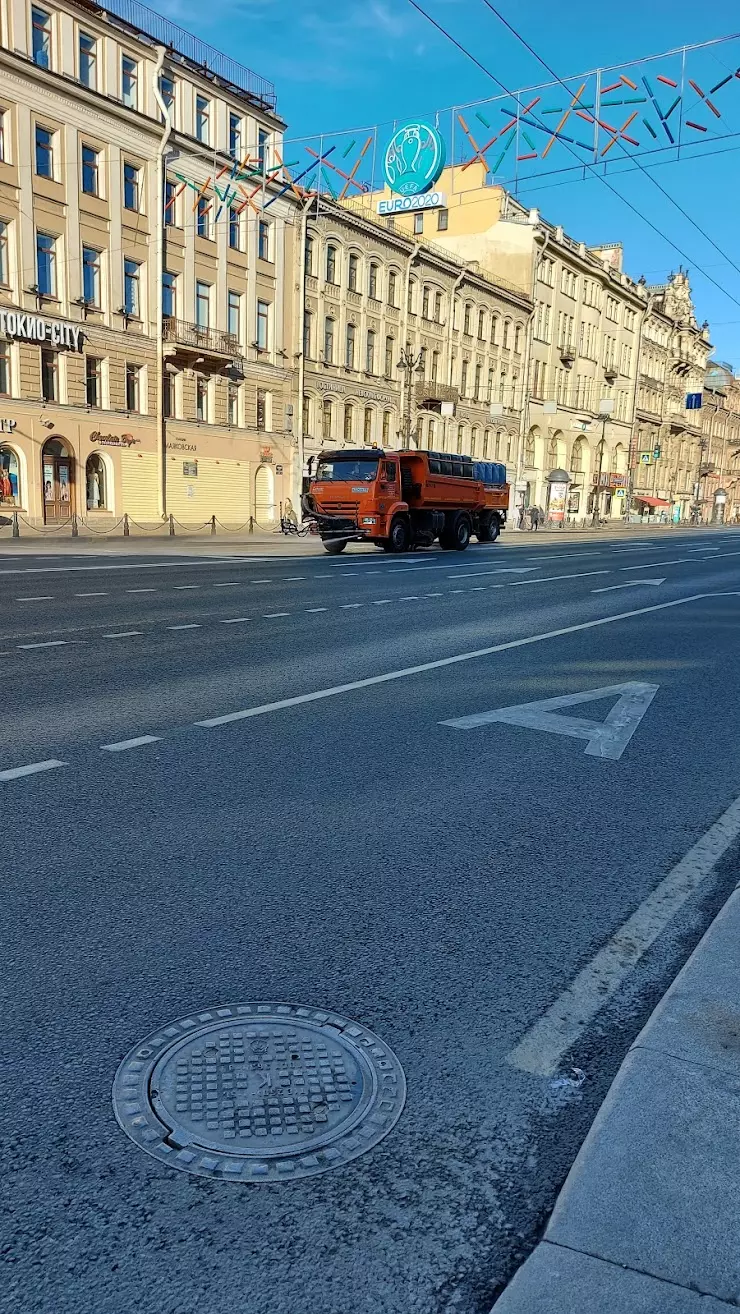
313, 610
89, 595
50, 643
186, 586
103, 595
44, 597
124, 744
235, 620
33, 768
192, 626
274, 615
123, 634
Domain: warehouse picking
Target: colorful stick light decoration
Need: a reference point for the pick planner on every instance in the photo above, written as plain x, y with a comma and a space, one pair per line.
413, 161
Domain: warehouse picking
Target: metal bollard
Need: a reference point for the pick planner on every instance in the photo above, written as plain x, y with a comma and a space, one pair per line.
16, 526
126, 530
213, 526
75, 527
172, 525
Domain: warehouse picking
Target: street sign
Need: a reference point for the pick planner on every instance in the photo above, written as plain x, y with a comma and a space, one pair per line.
620, 492
645, 457
693, 401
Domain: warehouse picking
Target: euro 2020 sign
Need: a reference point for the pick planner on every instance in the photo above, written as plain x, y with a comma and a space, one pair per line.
414, 159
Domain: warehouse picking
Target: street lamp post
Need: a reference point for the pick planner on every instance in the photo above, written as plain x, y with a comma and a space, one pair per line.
606, 405
700, 474
411, 363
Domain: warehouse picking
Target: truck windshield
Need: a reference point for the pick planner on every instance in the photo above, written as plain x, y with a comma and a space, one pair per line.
339, 468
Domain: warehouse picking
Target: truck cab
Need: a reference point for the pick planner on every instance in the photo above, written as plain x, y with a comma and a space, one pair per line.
353, 494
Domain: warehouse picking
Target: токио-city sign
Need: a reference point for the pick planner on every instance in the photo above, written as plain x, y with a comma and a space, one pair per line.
34, 328
413, 161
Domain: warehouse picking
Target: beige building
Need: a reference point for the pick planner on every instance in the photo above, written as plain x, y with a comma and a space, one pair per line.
718, 470
145, 250
582, 350
373, 295
673, 360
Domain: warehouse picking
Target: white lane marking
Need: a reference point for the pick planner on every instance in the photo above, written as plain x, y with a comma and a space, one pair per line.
500, 570
186, 564
123, 634
310, 609
273, 615
31, 770
606, 739
347, 573
414, 597
703, 549
541, 1050
97, 595
350, 606
381, 602
183, 627
432, 595
293, 579
123, 744
137, 591
441, 662
186, 586
51, 643
546, 579
631, 583
228, 584
44, 597
259, 581
648, 565
235, 620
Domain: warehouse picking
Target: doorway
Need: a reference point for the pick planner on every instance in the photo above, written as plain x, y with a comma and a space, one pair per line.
264, 495
57, 479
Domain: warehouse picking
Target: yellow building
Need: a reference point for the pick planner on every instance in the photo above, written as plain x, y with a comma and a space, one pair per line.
145, 250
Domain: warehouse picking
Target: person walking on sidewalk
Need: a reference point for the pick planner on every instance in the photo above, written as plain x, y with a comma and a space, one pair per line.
534, 516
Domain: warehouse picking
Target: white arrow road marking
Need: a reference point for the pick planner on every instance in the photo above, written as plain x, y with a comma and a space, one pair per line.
609, 588
607, 738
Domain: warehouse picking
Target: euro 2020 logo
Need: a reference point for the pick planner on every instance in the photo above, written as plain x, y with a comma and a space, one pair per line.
414, 159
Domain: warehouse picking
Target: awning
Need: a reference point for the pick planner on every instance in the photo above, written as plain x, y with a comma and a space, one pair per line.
651, 501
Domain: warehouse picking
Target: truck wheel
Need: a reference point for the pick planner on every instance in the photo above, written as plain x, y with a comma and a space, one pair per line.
400, 536
462, 528
489, 530
335, 548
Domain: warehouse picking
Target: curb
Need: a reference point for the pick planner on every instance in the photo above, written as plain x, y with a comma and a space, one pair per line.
648, 1219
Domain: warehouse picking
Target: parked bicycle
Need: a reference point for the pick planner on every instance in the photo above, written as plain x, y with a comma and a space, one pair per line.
289, 527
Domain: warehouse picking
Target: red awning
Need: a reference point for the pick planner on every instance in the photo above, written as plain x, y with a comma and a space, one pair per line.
651, 501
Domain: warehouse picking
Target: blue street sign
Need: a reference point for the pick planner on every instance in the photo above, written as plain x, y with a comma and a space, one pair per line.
693, 401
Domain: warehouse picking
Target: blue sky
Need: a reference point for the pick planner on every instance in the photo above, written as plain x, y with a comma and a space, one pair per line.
361, 62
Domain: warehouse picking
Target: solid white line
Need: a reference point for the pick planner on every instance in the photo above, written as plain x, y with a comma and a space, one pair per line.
235, 620
648, 565
46, 597
15, 772
123, 744
182, 627
546, 579
51, 643
441, 662
543, 1047
630, 584
186, 563
124, 634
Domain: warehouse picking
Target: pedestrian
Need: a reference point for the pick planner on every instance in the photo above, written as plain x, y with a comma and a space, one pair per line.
521, 515
535, 518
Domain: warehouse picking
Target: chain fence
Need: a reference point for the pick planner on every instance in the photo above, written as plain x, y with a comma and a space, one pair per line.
75, 526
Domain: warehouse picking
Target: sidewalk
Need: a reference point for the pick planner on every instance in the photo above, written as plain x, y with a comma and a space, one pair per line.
649, 1218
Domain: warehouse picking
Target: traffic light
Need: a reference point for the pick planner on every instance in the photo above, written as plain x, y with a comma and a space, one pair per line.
656, 453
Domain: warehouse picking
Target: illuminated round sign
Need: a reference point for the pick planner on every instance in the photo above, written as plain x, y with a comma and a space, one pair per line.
414, 159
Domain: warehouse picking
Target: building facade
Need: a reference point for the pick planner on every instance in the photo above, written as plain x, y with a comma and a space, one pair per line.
374, 297
143, 309
718, 471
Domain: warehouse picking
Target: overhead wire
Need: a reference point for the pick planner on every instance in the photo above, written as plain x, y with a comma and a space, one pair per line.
582, 164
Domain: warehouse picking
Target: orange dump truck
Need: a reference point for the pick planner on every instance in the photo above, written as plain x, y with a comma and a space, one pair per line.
404, 499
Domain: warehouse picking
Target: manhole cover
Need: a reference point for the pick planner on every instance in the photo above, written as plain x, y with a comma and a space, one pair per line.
259, 1092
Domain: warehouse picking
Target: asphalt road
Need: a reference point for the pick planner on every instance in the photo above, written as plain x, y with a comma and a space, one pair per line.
344, 848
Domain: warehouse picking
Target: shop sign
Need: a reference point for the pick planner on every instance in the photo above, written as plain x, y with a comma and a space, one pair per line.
34, 328
181, 447
7, 426
369, 394
413, 161
407, 204
113, 439
190, 469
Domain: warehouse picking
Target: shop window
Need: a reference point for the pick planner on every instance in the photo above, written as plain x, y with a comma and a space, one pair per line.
10, 489
96, 483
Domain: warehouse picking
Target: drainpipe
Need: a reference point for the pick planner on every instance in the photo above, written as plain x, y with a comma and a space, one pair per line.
160, 252
524, 416
301, 448
406, 379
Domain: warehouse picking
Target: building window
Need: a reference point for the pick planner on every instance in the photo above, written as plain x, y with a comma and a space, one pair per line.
419, 223
263, 150
481, 325
411, 296
331, 264
87, 52
235, 136
235, 229
425, 296
9, 477
353, 265
90, 171
95, 483
460, 436
233, 312
263, 325
232, 403
307, 333
443, 219
348, 422
507, 332
434, 369
91, 276
133, 373
438, 307
329, 341
48, 375
262, 410
390, 344
202, 118
46, 265
202, 304
308, 256
372, 282
467, 319
392, 287
4, 261
367, 428
130, 186
3, 142
167, 92
464, 378
370, 352
263, 240
169, 295
93, 372
203, 223
327, 417
129, 82
44, 152
4, 369
170, 203
201, 399
168, 394
131, 288
386, 427
40, 37
349, 351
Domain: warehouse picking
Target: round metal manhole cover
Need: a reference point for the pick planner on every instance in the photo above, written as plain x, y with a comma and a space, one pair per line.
259, 1092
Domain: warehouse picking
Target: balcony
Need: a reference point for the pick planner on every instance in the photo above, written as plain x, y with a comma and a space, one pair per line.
205, 341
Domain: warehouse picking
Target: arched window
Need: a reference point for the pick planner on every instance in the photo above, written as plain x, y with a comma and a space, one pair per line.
331, 263
486, 444
308, 263
348, 422
518, 338
474, 442
412, 294
494, 330
467, 318
481, 324
327, 418
367, 428
386, 427
96, 483
529, 451
576, 459
460, 436
500, 445
10, 478
264, 495
506, 342
353, 271
372, 281
432, 433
